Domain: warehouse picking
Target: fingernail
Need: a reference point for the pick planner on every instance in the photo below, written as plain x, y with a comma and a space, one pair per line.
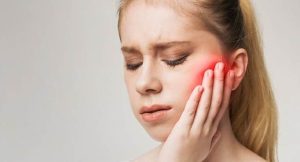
220, 66
208, 73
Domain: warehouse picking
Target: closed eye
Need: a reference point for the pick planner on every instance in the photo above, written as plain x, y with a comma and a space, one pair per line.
133, 67
171, 63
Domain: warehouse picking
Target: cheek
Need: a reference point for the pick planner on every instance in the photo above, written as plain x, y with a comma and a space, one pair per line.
193, 76
180, 84
202, 66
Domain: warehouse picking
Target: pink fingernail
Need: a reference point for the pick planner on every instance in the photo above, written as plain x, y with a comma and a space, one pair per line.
220, 66
208, 73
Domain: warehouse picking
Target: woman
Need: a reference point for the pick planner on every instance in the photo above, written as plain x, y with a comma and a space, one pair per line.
196, 80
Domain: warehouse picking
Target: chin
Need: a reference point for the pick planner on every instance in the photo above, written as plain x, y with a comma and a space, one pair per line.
159, 133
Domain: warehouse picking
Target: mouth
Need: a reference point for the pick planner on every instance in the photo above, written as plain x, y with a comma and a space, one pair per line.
154, 113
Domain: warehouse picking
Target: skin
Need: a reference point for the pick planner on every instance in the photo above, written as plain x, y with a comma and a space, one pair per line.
197, 128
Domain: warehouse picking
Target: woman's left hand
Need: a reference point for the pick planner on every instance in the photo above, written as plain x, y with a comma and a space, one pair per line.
196, 132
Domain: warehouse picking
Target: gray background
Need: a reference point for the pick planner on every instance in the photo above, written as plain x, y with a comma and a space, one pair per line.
62, 95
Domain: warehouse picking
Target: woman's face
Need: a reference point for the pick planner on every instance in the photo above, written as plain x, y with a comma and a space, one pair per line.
153, 36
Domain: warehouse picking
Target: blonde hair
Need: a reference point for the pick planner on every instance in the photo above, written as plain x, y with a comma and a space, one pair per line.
253, 111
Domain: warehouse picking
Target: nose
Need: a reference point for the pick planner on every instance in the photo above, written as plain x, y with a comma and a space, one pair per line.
148, 82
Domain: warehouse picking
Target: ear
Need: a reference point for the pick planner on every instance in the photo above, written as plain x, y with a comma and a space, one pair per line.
239, 63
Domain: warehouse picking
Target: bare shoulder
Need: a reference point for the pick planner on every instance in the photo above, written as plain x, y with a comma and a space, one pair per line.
148, 156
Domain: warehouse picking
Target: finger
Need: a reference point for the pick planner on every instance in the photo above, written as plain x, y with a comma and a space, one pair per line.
204, 104
226, 97
215, 140
217, 94
188, 114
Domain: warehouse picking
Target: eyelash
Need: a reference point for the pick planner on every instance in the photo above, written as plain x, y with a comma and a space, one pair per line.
171, 63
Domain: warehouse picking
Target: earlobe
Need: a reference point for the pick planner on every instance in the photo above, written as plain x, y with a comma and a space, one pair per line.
239, 63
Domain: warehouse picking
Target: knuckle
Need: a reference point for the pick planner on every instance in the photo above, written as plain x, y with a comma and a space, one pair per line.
190, 113
195, 99
220, 77
206, 104
206, 107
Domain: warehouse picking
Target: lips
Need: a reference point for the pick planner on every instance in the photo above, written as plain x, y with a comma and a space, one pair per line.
155, 113
154, 108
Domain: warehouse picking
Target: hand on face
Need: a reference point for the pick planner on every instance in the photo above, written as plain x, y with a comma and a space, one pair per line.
196, 132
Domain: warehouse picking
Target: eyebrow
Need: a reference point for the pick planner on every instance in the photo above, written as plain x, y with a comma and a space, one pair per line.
158, 46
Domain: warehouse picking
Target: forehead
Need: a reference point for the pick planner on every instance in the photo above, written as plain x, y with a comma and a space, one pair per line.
144, 23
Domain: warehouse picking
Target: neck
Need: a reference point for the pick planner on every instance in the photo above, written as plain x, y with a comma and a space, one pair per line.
228, 147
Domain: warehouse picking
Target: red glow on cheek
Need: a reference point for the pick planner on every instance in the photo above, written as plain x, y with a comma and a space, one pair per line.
209, 63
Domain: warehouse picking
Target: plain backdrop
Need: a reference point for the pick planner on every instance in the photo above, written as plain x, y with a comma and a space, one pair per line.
62, 93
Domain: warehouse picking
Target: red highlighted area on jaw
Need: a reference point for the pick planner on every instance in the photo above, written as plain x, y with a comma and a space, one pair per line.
210, 63
213, 63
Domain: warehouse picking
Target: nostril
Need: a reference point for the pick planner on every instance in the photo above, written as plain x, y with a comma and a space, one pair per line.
148, 85
151, 91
